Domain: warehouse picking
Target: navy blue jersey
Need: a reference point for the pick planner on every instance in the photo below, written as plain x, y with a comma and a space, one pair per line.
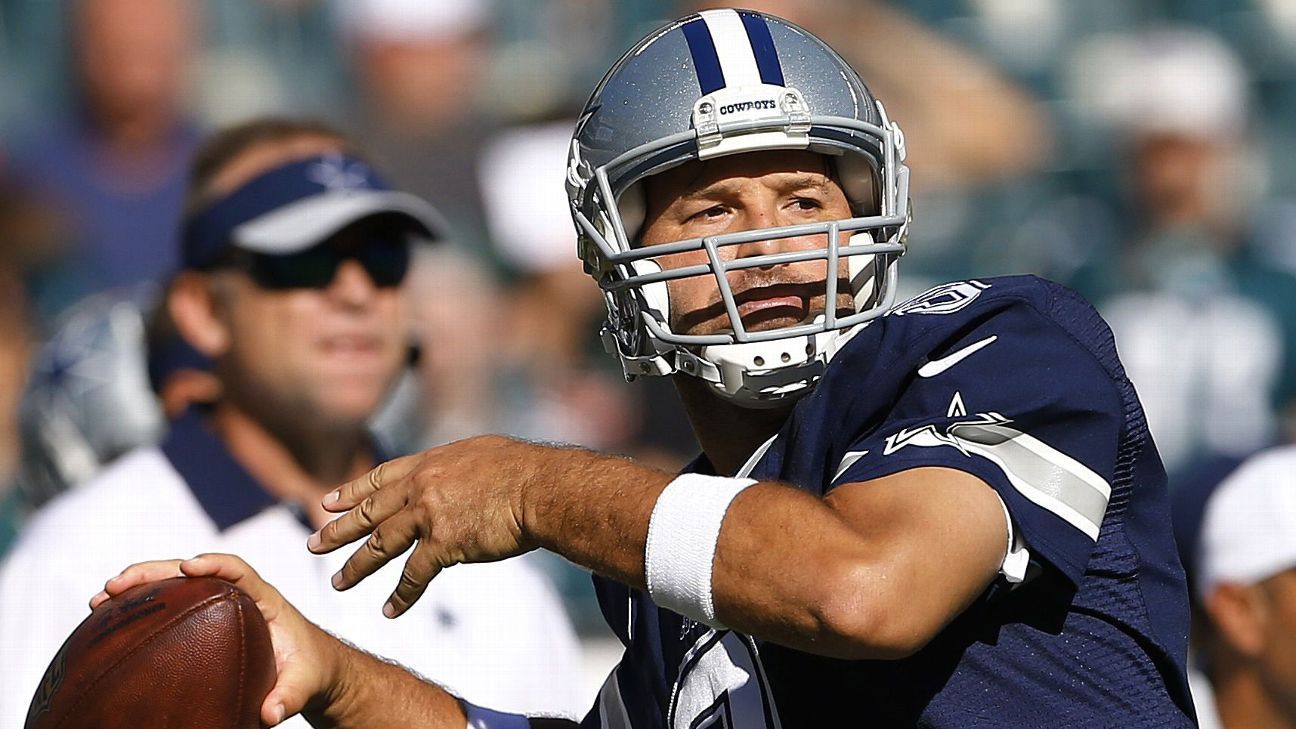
1016, 381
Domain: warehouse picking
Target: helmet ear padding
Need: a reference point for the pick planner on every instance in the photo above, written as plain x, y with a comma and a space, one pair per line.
857, 176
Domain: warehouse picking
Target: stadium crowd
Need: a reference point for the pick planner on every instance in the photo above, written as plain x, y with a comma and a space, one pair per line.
1139, 152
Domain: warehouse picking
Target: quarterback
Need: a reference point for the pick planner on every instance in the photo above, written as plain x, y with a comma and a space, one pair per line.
943, 512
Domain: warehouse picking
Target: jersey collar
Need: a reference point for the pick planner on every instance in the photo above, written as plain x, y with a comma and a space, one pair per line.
223, 487
702, 464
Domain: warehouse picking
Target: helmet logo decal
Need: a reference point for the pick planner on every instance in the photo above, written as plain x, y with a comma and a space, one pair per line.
748, 106
732, 49
762, 44
705, 59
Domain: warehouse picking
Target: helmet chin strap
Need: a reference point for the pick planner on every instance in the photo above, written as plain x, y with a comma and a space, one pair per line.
761, 374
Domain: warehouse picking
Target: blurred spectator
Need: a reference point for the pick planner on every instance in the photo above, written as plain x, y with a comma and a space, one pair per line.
115, 163
455, 305
1245, 584
1206, 327
294, 258
14, 347
28, 232
557, 393
452, 390
420, 71
1188, 504
1000, 131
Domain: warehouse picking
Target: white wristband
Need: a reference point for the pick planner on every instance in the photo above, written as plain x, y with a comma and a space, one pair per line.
482, 718
682, 536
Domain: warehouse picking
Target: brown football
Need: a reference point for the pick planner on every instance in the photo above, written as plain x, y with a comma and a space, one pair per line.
183, 652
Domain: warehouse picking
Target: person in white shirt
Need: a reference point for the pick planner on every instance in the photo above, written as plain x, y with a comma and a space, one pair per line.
294, 257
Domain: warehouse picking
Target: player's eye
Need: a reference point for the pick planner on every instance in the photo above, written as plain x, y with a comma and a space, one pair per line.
806, 203
712, 213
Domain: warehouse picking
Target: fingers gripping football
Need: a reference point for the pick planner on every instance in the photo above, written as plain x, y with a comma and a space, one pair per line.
458, 503
303, 655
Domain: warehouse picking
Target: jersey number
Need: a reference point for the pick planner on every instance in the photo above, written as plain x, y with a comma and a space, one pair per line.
722, 685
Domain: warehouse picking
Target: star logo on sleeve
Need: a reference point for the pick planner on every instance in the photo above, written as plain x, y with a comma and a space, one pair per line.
928, 436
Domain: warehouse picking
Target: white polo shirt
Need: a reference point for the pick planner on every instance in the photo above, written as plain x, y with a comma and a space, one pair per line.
495, 634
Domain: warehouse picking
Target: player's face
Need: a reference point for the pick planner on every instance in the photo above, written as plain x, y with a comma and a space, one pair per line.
738, 193
327, 353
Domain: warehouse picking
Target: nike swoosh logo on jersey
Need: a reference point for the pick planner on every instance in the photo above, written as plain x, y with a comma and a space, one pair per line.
937, 366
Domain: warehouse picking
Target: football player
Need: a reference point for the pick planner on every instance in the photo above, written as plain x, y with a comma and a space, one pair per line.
944, 512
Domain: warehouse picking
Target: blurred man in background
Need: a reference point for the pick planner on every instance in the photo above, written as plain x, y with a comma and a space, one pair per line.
294, 257
1000, 130
1206, 325
420, 71
1245, 579
115, 163
559, 387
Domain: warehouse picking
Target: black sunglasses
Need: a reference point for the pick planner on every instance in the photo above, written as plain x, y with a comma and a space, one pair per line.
385, 259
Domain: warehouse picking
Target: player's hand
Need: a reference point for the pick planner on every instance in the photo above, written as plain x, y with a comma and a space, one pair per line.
306, 658
462, 502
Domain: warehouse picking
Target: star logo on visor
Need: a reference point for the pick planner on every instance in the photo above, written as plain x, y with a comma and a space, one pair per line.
339, 174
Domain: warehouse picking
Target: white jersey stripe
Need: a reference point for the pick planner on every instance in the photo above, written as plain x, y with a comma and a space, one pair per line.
737, 60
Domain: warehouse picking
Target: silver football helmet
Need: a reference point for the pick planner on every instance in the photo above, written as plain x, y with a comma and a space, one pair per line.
717, 83
88, 399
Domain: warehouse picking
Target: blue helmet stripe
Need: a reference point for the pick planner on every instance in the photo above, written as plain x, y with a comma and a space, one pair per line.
705, 59
762, 44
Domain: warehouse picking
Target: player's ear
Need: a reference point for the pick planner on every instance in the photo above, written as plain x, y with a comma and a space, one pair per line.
1239, 613
196, 308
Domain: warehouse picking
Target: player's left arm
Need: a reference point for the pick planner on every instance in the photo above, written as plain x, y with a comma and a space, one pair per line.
873, 570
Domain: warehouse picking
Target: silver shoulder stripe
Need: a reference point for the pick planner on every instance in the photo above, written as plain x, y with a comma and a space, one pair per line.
1041, 473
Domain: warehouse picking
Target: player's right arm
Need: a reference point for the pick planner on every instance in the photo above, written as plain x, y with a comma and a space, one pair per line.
330, 683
